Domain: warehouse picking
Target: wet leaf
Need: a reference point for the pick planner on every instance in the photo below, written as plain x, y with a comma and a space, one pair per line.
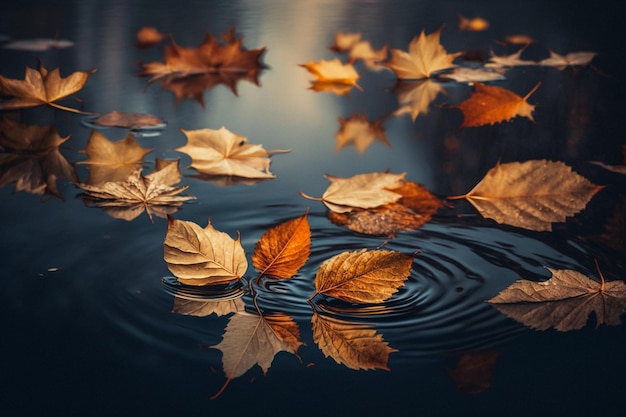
512, 60
472, 75
355, 345
563, 302
284, 249
333, 71
198, 256
253, 339
363, 276
129, 120
357, 130
30, 158
129, 198
222, 152
41, 87
474, 371
489, 105
532, 194
474, 24
112, 161
571, 59
414, 209
424, 57
415, 97
360, 191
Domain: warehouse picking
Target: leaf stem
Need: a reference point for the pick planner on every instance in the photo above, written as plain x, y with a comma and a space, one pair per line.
602, 282
308, 197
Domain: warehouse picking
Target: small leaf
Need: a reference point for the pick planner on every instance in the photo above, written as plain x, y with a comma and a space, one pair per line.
571, 59
363, 276
283, 249
198, 256
358, 130
129, 120
333, 71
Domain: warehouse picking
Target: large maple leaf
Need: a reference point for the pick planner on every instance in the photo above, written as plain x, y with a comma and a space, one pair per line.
41, 87
424, 57
564, 302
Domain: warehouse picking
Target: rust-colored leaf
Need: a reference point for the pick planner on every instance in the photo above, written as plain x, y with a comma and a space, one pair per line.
532, 194
41, 87
284, 249
489, 105
365, 276
222, 152
357, 130
30, 158
563, 302
252, 339
198, 256
355, 345
474, 371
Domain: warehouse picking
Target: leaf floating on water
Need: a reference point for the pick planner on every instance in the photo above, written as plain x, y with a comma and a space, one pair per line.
284, 249
132, 121
41, 87
563, 302
472, 75
532, 194
357, 130
204, 308
489, 105
474, 24
355, 345
222, 152
363, 276
148, 36
198, 256
572, 59
333, 72
253, 339
512, 60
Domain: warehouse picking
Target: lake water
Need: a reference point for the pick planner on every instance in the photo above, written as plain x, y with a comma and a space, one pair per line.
89, 318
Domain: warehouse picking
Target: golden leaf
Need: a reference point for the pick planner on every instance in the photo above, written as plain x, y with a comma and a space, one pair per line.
112, 161
564, 301
489, 105
129, 198
474, 371
283, 249
198, 256
532, 194
30, 158
355, 345
363, 276
41, 87
424, 57
253, 339
357, 130
222, 152
360, 191
333, 71
415, 97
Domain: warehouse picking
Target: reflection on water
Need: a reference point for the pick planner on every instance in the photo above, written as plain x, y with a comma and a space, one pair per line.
86, 309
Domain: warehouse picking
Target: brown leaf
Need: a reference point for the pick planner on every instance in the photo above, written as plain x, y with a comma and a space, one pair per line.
360, 191
363, 276
283, 249
489, 105
252, 339
112, 161
474, 371
424, 57
412, 211
532, 194
41, 87
198, 256
129, 120
415, 97
222, 152
148, 36
30, 158
355, 345
360, 132
129, 198
564, 302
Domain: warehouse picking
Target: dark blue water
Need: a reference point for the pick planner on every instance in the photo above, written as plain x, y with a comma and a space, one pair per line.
90, 324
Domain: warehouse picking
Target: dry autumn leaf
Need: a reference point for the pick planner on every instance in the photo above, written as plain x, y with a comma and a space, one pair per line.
283, 249
414, 209
355, 345
564, 301
511, 60
333, 71
254, 339
415, 97
360, 191
129, 198
474, 371
425, 56
489, 105
360, 132
365, 276
112, 161
472, 75
198, 256
222, 152
571, 59
41, 87
30, 158
133, 121
532, 194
